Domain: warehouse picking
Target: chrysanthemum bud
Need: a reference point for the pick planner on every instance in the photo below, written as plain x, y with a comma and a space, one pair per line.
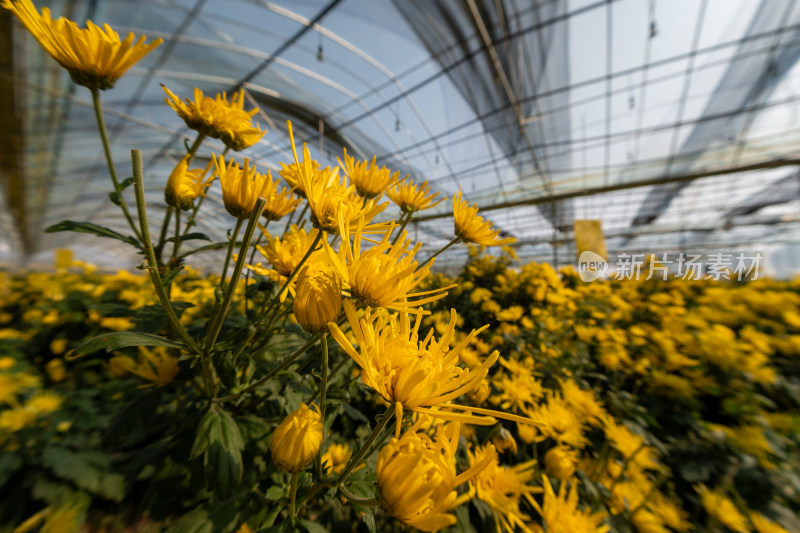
318, 299
504, 441
184, 185
297, 439
560, 462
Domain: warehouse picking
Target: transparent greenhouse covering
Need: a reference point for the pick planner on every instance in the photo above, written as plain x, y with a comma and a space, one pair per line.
674, 122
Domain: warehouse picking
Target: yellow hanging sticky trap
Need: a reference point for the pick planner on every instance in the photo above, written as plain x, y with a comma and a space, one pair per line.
63, 258
590, 246
589, 237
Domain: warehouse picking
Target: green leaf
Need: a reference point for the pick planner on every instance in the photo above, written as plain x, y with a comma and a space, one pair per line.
368, 517
166, 280
196, 236
115, 197
223, 470
94, 229
141, 408
695, 471
274, 493
223, 364
90, 471
193, 522
252, 427
10, 462
217, 426
220, 442
122, 339
354, 413
313, 527
127, 182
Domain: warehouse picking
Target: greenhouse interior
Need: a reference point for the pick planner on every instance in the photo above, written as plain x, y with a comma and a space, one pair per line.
400, 265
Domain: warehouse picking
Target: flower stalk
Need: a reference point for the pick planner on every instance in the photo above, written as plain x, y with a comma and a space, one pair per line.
101, 125
219, 317
362, 452
152, 265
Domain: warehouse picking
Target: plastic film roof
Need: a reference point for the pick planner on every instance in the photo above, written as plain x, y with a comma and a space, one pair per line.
674, 122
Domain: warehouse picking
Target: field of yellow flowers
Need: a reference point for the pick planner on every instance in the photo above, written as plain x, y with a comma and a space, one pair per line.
669, 405
339, 385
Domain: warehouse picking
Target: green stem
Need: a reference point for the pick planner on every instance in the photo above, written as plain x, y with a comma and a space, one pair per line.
354, 461
324, 383
231, 245
448, 245
332, 373
293, 496
219, 317
358, 500
101, 124
152, 266
252, 256
289, 360
177, 243
406, 219
163, 234
195, 145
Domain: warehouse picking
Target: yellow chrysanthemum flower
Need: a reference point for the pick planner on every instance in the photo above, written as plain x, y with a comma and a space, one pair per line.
369, 180
155, 365
411, 198
43, 403
94, 57
560, 512
630, 445
417, 478
503, 488
13, 420
55, 370
284, 253
386, 274
588, 408
279, 202
765, 525
318, 298
297, 439
185, 185
218, 118
722, 509
241, 187
336, 458
469, 227
421, 375
291, 174
332, 203
563, 424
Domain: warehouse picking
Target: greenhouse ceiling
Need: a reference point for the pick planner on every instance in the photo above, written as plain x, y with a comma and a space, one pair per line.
674, 122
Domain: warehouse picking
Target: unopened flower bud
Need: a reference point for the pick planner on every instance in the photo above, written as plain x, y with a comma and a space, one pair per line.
560, 462
318, 299
297, 439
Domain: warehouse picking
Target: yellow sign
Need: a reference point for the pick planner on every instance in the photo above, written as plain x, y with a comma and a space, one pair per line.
63, 258
589, 237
